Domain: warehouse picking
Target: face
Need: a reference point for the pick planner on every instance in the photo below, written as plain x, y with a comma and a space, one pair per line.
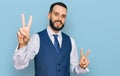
57, 17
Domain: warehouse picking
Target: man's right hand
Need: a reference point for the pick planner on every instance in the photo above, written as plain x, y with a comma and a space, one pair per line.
24, 33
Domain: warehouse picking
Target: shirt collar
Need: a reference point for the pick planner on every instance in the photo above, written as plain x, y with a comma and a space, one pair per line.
51, 33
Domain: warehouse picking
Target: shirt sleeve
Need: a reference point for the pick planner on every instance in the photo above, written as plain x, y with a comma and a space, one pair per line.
74, 61
22, 56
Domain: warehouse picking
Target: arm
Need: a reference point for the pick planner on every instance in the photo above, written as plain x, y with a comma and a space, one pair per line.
74, 61
26, 48
24, 55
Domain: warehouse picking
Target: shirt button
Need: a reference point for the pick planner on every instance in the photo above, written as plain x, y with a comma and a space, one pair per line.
58, 70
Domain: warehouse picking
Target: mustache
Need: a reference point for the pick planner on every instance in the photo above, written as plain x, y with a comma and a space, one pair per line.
58, 21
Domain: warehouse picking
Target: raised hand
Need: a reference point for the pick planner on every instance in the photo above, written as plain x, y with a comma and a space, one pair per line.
84, 62
24, 33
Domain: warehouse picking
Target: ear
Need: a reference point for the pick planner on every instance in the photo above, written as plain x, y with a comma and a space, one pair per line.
48, 15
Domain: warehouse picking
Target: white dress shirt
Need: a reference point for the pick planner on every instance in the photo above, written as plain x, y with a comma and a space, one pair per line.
24, 55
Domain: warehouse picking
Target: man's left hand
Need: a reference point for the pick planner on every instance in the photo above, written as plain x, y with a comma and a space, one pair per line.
84, 62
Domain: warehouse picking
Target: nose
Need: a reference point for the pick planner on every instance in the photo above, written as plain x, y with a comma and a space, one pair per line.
59, 18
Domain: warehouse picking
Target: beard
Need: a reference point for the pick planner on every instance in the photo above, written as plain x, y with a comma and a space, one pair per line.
54, 27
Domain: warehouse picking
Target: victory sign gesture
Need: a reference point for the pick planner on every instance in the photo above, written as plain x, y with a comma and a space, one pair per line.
24, 33
84, 62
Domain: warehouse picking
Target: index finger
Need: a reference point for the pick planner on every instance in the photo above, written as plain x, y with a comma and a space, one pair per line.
30, 22
23, 20
81, 52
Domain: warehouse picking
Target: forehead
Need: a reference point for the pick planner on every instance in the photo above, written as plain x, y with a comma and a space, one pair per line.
60, 9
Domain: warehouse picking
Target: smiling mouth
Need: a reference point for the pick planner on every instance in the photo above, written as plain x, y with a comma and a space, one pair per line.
58, 23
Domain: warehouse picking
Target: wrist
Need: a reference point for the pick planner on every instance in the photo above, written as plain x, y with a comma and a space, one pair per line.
22, 45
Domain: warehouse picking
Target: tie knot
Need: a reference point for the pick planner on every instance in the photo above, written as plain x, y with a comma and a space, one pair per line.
55, 36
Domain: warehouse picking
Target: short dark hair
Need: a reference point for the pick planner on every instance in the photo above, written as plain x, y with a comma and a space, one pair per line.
57, 3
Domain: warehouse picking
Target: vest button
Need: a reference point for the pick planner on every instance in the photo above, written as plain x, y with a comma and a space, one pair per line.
59, 64
58, 70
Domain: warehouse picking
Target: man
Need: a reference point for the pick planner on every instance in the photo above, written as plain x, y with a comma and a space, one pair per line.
54, 52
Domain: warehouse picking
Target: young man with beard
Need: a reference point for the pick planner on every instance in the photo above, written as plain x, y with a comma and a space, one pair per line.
53, 51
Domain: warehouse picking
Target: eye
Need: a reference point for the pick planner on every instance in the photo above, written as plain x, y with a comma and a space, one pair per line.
56, 14
63, 16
